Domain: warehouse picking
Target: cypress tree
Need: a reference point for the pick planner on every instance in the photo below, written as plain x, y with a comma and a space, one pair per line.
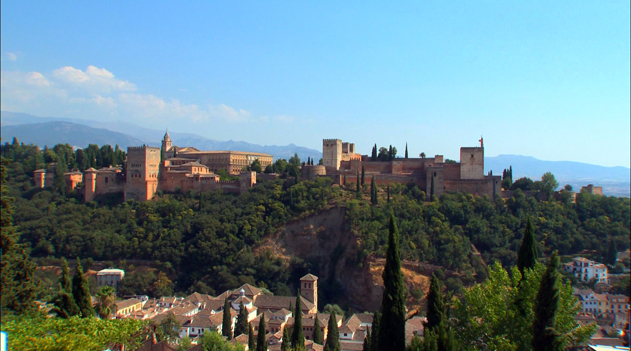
298, 337
226, 328
286, 343
435, 305
367, 339
344, 179
358, 184
261, 340
65, 301
317, 331
363, 174
545, 336
81, 292
242, 321
59, 183
390, 154
392, 330
333, 337
388, 193
374, 153
376, 325
251, 341
406, 150
527, 256
373, 191
431, 194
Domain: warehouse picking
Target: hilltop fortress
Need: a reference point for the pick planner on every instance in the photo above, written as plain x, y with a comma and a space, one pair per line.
172, 168
169, 168
340, 160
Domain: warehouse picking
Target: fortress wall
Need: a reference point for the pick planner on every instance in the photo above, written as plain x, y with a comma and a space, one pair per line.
332, 153
472, 186
451, 170
109, 182
376, 167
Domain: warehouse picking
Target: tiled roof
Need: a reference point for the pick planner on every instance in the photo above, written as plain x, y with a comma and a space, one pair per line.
127, 303
278, 302
309, 277
365, 318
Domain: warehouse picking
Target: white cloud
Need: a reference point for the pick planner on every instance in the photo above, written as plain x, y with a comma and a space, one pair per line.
11, 56
285, 119
93, 78
96, 92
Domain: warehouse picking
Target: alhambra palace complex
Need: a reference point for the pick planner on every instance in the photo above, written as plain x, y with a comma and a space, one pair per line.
172, 168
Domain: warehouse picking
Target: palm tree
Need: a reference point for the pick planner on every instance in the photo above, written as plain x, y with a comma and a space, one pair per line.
106, 296
422, 155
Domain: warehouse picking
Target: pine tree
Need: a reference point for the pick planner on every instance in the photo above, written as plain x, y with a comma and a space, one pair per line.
363, 174
298, 337
392, 331
317, 331
376, 325
333, 336
435, 305
527, 256
612, 253
226, 328
242, 321
367, 339
251, 341
81, 292
261, 340
373, 192
406, 150
545, 336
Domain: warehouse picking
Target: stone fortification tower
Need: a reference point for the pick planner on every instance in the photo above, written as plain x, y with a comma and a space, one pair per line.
166, 145
309, 288
143, 168
472, 163
332, 153
89, 188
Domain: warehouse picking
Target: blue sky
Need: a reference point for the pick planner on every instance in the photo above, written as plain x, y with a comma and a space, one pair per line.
538, 79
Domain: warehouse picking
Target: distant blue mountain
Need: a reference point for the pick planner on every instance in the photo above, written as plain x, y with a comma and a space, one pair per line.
614, 180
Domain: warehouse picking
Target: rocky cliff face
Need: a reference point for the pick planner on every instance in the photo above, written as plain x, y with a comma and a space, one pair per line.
326, 238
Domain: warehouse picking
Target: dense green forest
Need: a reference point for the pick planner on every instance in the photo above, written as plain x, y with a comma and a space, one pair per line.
204, 242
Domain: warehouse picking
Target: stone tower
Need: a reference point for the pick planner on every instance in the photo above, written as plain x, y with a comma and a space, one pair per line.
143, 168
471, 163
309, 288
89, 188
332, 153
166, 145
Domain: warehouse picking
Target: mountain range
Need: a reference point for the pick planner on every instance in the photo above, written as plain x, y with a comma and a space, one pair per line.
79, 133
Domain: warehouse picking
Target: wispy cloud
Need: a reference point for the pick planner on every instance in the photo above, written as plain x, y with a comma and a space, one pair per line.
11, 56
100, 92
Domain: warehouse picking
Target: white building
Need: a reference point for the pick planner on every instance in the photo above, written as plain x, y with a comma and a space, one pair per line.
586, 270
109, 277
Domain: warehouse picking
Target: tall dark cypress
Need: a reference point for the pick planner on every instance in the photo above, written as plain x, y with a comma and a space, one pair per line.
431, 193
81, 292
242, 321
435, 305
318, 338
286, 343
527, 256
363, 174
333, 336
374, 153
545, 336
226, 328
612, 253
373, 191
358, 184
298, 337
392, 330
376, 325
388, 193
406, 150
261, 340
367, 340
65, 302
251, 340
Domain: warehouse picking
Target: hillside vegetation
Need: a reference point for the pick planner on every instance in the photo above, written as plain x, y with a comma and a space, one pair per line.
205, 242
